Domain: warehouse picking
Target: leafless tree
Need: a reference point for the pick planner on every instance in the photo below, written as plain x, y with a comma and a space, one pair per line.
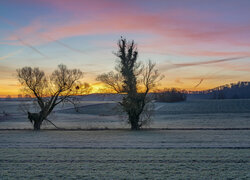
133, 79
48, 91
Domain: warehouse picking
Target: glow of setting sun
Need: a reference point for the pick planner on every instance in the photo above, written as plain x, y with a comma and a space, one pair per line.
185, 40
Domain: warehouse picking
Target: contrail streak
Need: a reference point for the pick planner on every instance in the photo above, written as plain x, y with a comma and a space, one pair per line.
48, 37
10, 54
20, 40
209, 62
199, 83
180, 65
208, 76
31, 47
64, 45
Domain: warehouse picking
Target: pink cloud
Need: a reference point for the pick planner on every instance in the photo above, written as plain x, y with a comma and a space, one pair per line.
176, 28
86, 5
243, 67
216, 53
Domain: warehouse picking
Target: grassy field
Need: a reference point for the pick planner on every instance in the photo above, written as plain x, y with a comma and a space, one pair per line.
124, 163
102, 114
124, 154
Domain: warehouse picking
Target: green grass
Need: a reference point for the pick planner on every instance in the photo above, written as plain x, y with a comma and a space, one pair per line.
124, 163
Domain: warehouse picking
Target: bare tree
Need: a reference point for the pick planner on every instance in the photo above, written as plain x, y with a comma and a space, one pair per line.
135, 80
48, 91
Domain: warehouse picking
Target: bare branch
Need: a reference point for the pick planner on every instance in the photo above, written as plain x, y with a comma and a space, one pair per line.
49, 92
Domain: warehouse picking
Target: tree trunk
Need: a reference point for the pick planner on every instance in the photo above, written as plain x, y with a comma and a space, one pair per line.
36, 119
134, 122
37, 124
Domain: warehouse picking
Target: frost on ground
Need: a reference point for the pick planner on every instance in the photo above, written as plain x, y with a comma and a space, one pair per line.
124, 164
125, 154
103, 114
147, 139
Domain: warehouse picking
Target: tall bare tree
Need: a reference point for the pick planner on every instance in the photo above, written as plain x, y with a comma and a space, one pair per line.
48, 91
134, 79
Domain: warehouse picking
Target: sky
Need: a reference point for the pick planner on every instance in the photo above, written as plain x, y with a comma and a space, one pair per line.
196, 44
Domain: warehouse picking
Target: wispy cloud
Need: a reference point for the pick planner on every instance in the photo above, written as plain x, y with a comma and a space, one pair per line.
162, 29
28, 31
105, 17
215, 53
175, 27
65, 45
189, 64
11, 54
18, 38
31, 47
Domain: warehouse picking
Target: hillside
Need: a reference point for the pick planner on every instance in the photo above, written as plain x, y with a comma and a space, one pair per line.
240, 90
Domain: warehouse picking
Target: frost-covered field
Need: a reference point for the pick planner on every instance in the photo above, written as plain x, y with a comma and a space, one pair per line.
125, 154
124, 164
103, 114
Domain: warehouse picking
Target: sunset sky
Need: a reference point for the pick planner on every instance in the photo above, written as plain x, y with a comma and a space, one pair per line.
190, 40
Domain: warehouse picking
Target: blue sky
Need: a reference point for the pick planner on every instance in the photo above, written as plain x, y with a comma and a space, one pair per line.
83, 34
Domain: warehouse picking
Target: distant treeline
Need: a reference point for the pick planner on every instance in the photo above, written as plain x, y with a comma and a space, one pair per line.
171, 95
240, 90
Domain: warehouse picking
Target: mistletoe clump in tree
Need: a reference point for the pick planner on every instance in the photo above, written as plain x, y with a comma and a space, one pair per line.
49, 91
